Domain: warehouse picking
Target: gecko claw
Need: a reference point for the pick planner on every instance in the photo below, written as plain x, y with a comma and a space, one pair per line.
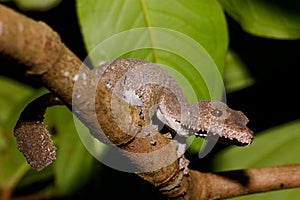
153, 141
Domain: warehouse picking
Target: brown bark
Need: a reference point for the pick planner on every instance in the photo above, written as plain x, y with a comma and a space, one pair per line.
37, 46
222, 185
49, 61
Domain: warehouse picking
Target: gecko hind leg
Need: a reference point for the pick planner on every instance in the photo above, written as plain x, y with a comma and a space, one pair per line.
150, 131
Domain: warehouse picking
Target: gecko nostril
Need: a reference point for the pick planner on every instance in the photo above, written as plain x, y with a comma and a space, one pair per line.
216, 112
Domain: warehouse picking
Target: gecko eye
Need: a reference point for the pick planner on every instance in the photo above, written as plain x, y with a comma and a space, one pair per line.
216, 112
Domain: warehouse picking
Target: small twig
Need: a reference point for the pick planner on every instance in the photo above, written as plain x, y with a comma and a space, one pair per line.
6, 194
228, 184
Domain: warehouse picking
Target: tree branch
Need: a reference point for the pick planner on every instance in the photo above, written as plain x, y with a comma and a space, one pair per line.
242, 182
46, 58
49, 61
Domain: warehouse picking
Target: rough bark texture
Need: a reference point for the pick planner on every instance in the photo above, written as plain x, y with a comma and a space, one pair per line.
38, 47
49, 61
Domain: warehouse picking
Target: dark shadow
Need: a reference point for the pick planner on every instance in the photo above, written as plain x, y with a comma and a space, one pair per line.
238, 176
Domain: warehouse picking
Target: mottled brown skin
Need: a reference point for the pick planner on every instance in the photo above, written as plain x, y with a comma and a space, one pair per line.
130, 80
216, 118
153, 92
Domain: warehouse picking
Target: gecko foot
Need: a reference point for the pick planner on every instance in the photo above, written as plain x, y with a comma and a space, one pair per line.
153, 141
168, 135
150, 130
183, 165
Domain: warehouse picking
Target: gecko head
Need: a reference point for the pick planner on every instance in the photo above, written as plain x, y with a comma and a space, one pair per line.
213, 119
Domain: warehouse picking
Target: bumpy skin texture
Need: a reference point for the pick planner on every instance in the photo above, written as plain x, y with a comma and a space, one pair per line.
149, 88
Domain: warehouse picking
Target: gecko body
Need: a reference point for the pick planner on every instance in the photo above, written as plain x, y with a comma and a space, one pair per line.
155, 95
152, 90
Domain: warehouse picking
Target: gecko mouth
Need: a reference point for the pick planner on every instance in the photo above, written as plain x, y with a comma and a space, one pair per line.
209, 135
220, 138
201, 133
197, 132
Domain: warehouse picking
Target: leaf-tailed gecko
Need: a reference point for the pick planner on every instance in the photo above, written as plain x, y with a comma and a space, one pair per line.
157, 95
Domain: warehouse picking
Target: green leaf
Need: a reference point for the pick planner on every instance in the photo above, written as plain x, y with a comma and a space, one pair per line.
195, 144
37, 4
73, 164
171, 33
236, 75
32, 177
276, 146
11, 99
271, 19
